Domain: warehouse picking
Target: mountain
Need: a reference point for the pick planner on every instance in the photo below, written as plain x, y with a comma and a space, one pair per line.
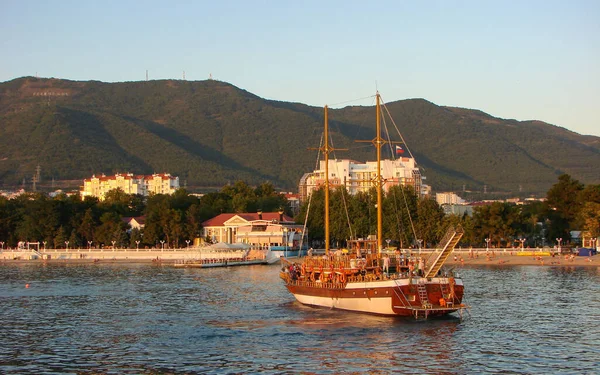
210, 133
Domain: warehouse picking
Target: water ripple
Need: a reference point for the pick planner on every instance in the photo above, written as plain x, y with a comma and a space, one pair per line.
147, 319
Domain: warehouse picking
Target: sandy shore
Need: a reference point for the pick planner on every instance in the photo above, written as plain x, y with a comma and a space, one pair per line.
502, 259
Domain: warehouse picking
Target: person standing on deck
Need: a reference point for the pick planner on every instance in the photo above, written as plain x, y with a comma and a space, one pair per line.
386, 264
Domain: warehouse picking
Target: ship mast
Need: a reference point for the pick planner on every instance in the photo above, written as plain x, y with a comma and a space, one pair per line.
326, 150
378, 143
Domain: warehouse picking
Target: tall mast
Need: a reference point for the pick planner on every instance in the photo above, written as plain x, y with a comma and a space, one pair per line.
326, 151
378, 144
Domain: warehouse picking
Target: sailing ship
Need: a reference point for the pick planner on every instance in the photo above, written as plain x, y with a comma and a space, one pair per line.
355, 280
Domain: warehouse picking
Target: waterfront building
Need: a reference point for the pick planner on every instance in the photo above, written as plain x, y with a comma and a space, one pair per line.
157, 183
357, 176
226, 227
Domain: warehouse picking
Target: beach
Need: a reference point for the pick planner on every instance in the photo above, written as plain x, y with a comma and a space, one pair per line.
501, 258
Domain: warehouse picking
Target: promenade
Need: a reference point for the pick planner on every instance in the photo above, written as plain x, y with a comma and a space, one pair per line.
464, 257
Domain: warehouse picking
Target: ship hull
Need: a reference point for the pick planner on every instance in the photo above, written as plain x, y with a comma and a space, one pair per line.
399, 297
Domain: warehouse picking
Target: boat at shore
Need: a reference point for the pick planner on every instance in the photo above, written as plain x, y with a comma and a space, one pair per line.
223, 255
367, 279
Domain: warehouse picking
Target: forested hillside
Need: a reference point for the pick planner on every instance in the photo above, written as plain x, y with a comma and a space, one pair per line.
211, 133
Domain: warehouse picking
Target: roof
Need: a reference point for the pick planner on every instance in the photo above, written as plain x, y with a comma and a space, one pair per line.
140, 219
219, 220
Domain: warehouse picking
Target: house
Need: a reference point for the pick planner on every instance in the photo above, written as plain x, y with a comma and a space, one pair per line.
135, 223
224, 227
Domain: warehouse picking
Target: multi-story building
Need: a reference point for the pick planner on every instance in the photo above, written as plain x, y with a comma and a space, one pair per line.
162, 183
448, 198
357, 176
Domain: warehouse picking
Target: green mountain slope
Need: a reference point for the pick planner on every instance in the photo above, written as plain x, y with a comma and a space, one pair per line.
210, 133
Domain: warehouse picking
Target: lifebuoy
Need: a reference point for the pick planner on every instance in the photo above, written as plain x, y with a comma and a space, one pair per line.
322, 277
312, 277
342, 278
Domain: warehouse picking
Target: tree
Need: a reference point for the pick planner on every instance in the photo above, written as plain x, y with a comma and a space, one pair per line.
564, 198
429, 221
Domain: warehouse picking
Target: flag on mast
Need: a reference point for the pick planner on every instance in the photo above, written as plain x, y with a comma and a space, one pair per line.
399, 150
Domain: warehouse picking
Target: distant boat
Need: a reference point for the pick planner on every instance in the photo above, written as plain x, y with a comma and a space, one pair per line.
355, 280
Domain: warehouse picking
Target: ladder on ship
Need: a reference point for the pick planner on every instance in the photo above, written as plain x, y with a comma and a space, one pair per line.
422, 289
447, 244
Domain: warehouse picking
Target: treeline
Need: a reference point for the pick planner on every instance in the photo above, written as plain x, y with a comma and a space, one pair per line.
178, 218
569, 206
35, 217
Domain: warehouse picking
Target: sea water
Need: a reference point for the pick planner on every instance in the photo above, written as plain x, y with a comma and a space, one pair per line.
152, 319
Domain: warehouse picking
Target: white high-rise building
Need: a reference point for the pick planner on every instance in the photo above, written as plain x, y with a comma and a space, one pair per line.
357, 176
448, 198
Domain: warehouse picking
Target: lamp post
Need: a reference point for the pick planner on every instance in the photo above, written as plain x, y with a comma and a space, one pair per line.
113, 243
285, 239
137, 244
67, 245
162, 244
388, 243
90, 245
559, 240
593, 240
419, 243
188, 243
522, 240
487, 244
2, 244
44, 245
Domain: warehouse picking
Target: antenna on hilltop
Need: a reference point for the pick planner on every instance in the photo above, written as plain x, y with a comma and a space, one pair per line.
184, 75
210, 76
146, 75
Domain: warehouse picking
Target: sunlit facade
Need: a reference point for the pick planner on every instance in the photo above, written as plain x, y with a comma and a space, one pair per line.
158, 183
357, 176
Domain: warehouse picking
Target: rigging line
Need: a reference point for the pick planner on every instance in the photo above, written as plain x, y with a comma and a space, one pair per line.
398, 130
387, 133
343, 190
353, 100
310, 197
392, 152
412, 224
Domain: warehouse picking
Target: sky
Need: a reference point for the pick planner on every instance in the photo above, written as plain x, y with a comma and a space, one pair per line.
524, 60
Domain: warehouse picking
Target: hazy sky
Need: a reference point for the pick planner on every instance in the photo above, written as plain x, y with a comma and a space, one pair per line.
512, 59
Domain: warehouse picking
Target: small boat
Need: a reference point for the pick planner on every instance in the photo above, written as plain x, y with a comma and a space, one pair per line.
223, 255
368, 279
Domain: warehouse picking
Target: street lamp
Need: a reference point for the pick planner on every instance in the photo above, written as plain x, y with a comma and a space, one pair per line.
43, 243
90, 245
67, 243
487, 244
593, 240
388, 243
187, 242
137, 244
2, 244
419, 243
285, 239
162, 243
559, 240
522, 240
113, 243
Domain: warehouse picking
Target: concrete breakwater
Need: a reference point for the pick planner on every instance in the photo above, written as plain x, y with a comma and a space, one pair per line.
184, 254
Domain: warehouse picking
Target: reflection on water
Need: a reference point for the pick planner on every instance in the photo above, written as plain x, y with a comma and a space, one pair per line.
147, 319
